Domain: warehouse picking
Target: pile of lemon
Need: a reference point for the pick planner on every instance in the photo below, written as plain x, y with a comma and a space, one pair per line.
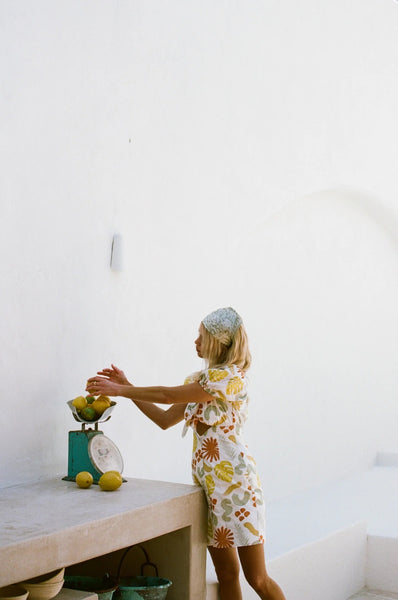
109, 481
90, 408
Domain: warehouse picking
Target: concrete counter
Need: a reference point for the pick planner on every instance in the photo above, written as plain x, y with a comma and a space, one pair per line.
53, 523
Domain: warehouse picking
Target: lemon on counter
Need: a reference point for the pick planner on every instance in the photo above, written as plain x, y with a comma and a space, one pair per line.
111, 480
84, 479
79, 403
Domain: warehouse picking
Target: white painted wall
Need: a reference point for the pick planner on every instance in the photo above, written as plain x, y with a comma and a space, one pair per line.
246, 152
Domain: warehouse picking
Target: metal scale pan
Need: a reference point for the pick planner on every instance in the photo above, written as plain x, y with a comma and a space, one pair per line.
90, 450
106, 415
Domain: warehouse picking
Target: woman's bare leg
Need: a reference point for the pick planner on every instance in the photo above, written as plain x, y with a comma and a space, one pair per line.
226, 564
253, 565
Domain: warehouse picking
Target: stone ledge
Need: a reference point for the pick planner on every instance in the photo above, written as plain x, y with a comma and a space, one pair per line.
53, 523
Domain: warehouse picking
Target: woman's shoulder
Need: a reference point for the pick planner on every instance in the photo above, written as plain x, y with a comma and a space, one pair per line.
229, 370
221, 374
218, 374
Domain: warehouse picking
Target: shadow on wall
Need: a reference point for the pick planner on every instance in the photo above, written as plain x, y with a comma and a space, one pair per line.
321, 267
318, 284
381, 214
336, 200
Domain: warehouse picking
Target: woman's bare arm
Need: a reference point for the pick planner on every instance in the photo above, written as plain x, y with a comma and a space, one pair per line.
163, 418
181, 394
146, 398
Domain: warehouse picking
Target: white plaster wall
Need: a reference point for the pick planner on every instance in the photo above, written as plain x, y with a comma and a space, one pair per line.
246, 151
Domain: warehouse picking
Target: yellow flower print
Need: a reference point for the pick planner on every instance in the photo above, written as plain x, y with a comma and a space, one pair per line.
237, 404
211, 486
224, 471
235, 385
217, 374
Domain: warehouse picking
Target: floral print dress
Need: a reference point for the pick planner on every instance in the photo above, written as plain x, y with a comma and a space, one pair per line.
221, 462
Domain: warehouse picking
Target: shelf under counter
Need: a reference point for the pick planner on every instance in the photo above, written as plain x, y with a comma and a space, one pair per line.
52, 524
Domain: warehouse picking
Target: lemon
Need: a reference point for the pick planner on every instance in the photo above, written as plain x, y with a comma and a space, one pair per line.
79, 402
105, 399
100, 405
90, 399
88, 414
84, 479
111, 480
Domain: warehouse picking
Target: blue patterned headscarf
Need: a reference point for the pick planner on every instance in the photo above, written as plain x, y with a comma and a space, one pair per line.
223, 324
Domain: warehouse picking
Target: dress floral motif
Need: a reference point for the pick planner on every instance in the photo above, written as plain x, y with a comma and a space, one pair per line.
221, 462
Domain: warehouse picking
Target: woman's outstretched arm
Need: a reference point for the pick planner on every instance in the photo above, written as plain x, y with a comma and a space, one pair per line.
181, 394
146, 398
163, 418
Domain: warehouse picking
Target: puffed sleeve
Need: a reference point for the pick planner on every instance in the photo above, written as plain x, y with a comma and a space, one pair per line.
224, 385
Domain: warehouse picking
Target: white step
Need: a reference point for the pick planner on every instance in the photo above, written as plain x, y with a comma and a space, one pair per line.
316, 540
382, 569
334, 564
331, 568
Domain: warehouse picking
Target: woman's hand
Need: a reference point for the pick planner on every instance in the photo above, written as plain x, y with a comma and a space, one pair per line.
100, 386
114, 374
107, 382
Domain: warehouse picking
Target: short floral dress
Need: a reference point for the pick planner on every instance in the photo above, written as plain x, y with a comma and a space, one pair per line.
221, 462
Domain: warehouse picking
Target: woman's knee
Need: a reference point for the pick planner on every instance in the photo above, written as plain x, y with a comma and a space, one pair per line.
226, 564
264, 586
260, 582
227, 573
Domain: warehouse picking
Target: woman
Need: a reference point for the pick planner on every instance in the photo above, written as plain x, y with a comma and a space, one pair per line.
214, 404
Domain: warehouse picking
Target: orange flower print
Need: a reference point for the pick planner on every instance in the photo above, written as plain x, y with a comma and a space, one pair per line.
210, 450
223, 537
242, 514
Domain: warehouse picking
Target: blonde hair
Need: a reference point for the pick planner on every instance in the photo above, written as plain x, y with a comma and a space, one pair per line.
218, 354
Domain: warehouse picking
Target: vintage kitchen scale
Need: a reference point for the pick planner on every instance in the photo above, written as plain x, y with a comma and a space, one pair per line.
90, 450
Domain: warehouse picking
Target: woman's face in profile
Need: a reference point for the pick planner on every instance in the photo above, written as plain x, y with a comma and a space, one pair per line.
199, 342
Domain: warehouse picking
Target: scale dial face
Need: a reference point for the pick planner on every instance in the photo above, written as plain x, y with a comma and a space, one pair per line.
104, 454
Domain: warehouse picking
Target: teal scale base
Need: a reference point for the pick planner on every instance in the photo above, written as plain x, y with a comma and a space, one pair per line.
78, 456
